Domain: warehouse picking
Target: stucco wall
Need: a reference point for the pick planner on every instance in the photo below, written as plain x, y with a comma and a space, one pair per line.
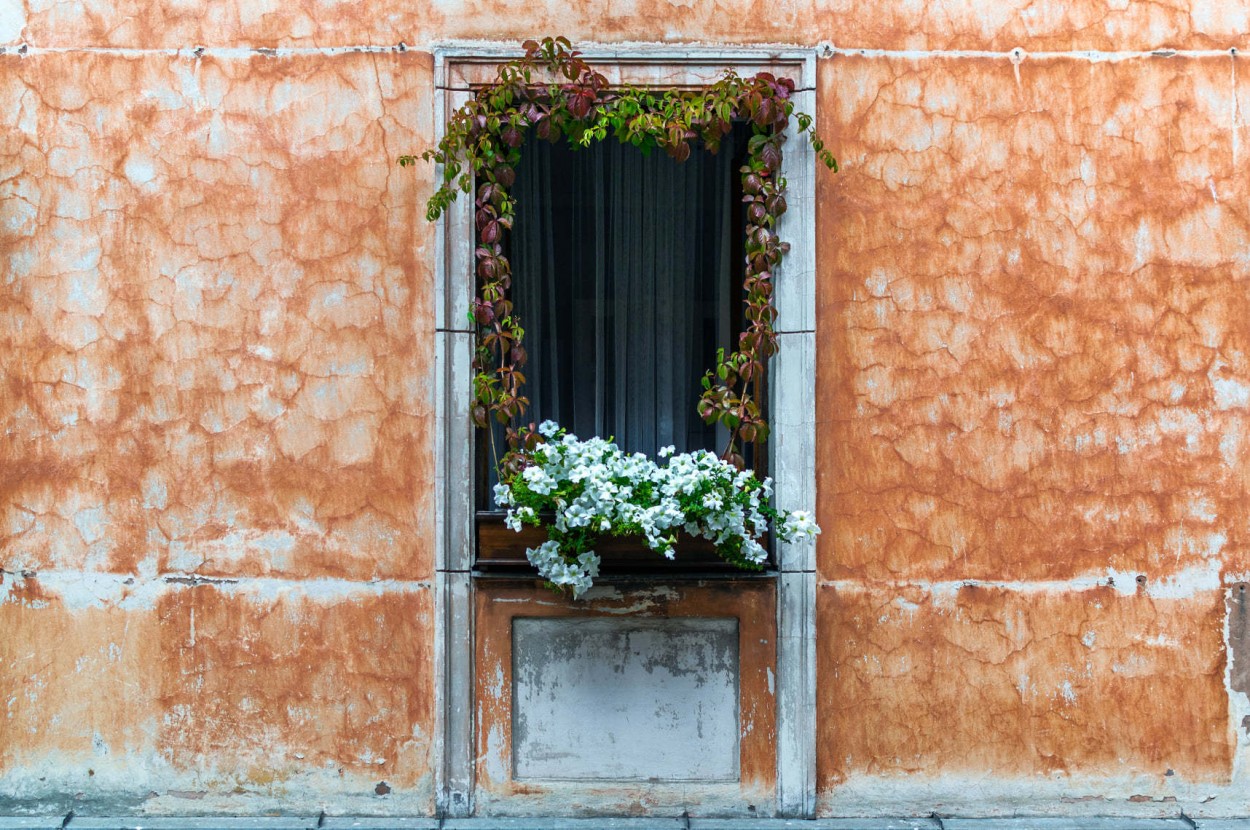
1034, 375
216, 444
216, 353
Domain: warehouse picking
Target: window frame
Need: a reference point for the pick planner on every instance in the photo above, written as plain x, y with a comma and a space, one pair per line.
621, 556
458, 70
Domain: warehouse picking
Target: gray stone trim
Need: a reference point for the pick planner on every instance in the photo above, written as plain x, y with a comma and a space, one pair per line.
313, 822
453, 287
1058, 823
793, 460
379, 824
792, 412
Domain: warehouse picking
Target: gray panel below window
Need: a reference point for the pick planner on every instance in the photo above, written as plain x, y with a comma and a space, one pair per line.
625, 699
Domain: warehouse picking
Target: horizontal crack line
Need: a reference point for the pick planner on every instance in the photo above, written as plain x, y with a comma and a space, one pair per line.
192, 52
1181, 584
120, 586
657, 50
1018, 54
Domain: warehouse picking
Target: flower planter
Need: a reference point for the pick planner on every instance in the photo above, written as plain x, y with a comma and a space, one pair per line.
578, 495
500, 550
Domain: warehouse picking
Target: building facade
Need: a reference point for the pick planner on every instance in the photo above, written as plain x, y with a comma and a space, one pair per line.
235, 513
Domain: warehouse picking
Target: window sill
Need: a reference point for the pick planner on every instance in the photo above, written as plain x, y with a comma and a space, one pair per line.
501, 551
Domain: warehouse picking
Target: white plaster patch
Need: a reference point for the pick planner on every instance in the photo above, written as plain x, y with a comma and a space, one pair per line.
78, 590
1187, 583
12, 20
326, 591
1230, 443
140, 170
1203, 510
92, 523
1219, 17
155, 495
20, 216
993, 794
878, 283
1181, 585
1230, 392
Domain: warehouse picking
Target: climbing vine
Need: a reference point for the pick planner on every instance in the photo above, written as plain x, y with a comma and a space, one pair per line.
553, 94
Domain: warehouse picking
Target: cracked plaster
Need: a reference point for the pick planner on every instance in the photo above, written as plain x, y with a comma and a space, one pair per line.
216, 329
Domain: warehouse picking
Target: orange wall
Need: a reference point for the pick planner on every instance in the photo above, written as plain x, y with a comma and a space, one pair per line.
216, 341
216, 348
1034, 370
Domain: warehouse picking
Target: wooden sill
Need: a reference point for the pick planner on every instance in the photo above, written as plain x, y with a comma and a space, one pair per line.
501, 549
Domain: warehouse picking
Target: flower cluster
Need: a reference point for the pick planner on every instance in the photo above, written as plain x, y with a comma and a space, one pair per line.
591, 488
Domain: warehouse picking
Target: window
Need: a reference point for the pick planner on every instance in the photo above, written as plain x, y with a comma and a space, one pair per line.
624, 273
627, 274
474, 614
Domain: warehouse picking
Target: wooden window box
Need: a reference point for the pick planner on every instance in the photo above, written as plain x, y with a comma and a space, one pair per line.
500, 550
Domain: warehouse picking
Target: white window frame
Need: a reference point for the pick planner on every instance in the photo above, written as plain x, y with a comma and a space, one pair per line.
458, 69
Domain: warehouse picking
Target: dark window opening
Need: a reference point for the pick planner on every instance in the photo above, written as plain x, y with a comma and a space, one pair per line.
627, 278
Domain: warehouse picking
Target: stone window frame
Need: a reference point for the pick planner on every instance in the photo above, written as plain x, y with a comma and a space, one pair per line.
458, 69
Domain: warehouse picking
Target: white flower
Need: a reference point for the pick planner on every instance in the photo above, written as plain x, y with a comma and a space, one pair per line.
603, 490
538, 480
798, 526
553, 567
754, 551
665, 452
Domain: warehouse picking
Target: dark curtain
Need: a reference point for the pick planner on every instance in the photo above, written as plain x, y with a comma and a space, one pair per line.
621, 276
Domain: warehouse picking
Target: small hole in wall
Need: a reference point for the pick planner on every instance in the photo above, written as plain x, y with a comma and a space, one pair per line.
1141, 579
382, 788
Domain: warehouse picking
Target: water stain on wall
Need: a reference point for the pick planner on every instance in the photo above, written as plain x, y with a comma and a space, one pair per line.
1082, 683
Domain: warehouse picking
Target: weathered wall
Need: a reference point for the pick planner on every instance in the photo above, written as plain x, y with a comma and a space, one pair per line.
1033, 392
216, 344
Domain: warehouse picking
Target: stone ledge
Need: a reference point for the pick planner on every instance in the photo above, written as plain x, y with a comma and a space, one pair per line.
539, 823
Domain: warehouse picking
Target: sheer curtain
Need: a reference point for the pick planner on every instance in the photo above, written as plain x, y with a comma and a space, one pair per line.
621, 277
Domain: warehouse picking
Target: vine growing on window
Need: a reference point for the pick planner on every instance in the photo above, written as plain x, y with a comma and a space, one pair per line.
553, 94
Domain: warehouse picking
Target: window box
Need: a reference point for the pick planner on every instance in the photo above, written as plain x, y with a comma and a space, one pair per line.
501, 550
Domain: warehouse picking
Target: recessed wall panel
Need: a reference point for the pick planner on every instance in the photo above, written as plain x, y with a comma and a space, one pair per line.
625, 699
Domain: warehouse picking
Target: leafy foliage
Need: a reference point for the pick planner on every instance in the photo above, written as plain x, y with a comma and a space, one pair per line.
553, 94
